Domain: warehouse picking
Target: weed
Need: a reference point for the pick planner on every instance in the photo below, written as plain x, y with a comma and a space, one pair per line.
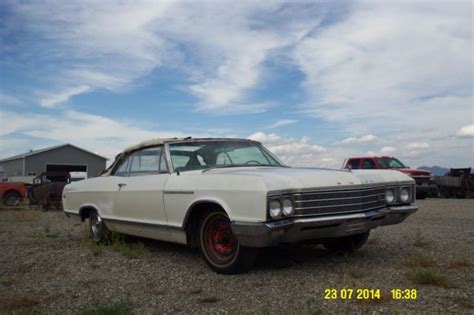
356, 273
419, 240
419, 261
428, 277
118, 243
466, 302
459, 263
41, 233
373, 240
93, 246
111, 308
17, 303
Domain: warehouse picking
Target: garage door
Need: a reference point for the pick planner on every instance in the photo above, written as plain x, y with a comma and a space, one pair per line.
66, 168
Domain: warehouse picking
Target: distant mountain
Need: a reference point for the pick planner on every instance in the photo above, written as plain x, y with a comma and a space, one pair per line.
436, 170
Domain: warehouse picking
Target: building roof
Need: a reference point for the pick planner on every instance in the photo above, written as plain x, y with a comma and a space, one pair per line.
33, 152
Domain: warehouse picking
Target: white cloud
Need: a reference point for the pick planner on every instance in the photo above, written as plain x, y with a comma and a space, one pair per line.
387, 150
53, 100
282, 122
362, 139
97, 133
398, 68
418, 145
293, 151
466, 131
110, 45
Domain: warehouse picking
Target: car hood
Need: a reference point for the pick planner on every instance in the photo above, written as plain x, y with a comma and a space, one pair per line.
276, 178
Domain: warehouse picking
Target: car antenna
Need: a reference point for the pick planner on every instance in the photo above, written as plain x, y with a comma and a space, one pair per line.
187, 138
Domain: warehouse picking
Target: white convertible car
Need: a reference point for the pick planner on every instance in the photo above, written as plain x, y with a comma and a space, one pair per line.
230, 197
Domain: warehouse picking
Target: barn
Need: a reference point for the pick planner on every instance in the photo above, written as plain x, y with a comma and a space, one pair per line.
65, 157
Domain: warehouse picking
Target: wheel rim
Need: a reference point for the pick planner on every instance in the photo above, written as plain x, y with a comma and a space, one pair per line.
96, 223
221, 245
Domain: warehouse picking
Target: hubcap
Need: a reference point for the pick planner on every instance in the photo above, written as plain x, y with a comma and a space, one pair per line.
12, 201
95, 224
221, 244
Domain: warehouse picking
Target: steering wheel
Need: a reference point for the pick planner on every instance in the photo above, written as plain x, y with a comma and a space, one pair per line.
253, 161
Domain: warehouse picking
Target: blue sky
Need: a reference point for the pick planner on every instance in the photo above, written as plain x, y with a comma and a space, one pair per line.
316, 82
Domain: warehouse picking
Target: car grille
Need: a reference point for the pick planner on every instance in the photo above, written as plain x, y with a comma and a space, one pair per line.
339, 201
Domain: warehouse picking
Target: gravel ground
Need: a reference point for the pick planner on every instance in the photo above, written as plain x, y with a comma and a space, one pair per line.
48, 265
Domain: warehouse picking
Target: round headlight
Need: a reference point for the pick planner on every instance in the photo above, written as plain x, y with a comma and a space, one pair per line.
287, 207
275, 208
404, 195
389, 196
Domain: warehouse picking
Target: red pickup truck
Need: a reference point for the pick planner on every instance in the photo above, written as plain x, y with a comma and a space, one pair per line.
13, 193
424, 179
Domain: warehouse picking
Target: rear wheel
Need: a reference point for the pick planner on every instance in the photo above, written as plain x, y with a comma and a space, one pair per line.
11, 199
219, 246
97, 228
347, 243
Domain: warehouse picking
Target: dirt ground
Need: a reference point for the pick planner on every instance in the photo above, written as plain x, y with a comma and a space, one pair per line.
48, 265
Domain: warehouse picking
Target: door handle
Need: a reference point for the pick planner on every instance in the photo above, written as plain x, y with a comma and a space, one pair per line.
121, 185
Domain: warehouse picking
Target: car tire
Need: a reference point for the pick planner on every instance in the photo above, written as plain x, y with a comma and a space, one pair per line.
97, 228
11, 199
348, 244
219, 246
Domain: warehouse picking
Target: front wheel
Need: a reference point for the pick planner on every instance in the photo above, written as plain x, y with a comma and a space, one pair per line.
12, 199
97, 228
219, 246
347, 243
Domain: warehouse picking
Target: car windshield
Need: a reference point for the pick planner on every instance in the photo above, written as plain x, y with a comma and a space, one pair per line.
205, 155
390, 163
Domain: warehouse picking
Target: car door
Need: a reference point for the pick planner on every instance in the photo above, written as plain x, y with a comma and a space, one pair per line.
139, 202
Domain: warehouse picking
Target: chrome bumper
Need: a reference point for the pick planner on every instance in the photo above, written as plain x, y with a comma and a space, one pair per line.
313, 228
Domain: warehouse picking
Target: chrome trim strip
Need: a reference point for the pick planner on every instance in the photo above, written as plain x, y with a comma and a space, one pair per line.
341, 212
340, 205
162, 226
342, 198
178, 192
355, 187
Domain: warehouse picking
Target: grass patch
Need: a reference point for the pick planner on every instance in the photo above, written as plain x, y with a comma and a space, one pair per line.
17, 303
428, 277
459, 263
419, 261
372, 240
45, 231
466, 302
357, 273
111, 308
420, 241
117, 242
132, 250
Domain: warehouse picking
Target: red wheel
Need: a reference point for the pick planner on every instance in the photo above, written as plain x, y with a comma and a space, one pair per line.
219, 246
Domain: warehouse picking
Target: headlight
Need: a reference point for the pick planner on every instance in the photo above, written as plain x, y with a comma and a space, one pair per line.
275, 208
404, 194
288, 207
390, 196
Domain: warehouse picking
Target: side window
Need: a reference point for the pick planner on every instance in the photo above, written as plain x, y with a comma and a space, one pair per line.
368, 164
354, 164
122, 170
145, 162
163, 166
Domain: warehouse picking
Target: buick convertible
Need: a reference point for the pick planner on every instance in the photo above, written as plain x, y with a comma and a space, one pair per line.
229, 197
